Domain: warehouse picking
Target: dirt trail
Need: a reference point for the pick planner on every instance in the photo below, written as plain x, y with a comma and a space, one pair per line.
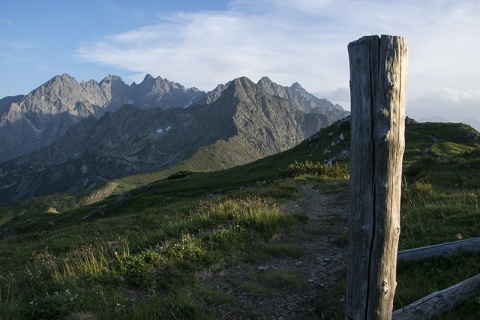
310, 289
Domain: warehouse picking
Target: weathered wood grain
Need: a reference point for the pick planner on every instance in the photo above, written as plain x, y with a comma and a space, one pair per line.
440, 250
439, 302
378, 76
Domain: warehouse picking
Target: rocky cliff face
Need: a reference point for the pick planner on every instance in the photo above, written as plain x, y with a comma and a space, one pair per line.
269, 122
304, 100
45, 114
6, 102
38, 119
161, 93
245, 120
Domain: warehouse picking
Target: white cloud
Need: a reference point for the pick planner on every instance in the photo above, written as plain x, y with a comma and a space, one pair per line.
340, 95
456, 96
303, 5
304, 41
206, 48
446, 103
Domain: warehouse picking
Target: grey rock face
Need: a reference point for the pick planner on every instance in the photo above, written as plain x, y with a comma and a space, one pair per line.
161, 93
249, 122
304, 100
67, 136
296, 94
6, 102
45, 114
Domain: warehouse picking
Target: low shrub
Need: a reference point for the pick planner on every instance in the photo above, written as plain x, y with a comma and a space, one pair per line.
315, 168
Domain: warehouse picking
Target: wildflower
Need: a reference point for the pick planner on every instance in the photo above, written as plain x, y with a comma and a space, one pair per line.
122, 279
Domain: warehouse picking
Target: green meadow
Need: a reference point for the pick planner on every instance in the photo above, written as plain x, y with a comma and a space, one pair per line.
137, 252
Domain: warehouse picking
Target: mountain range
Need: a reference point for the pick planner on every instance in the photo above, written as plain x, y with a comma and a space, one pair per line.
45, 114
66, 136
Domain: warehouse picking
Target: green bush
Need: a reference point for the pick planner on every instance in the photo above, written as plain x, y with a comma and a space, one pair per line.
135, 270
316, 169
187, 253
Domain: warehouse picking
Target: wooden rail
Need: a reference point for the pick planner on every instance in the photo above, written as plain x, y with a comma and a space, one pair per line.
445, 300
440, 250
439, 302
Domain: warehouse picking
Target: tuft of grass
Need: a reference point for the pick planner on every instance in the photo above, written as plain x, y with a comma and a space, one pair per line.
52, 210
315, 169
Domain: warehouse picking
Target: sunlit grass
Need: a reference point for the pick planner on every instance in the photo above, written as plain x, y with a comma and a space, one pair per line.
212, 233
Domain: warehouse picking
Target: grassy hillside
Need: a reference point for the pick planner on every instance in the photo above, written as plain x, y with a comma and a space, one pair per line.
138, 253
317, 148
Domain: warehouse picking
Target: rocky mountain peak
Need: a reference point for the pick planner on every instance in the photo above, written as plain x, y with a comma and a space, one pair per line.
54, 96
111, 78
148, 76
241, 88
162, 93
271, 87
213, 95
65, 77
296, 86
265, 81
45, 114
243, 82
147, 81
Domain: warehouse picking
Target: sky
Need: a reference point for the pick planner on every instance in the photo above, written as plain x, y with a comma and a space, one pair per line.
204, 43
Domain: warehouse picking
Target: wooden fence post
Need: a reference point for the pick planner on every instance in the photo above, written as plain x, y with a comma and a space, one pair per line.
378, 76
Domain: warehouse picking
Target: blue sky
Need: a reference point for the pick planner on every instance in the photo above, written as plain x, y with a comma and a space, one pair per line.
204, 43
